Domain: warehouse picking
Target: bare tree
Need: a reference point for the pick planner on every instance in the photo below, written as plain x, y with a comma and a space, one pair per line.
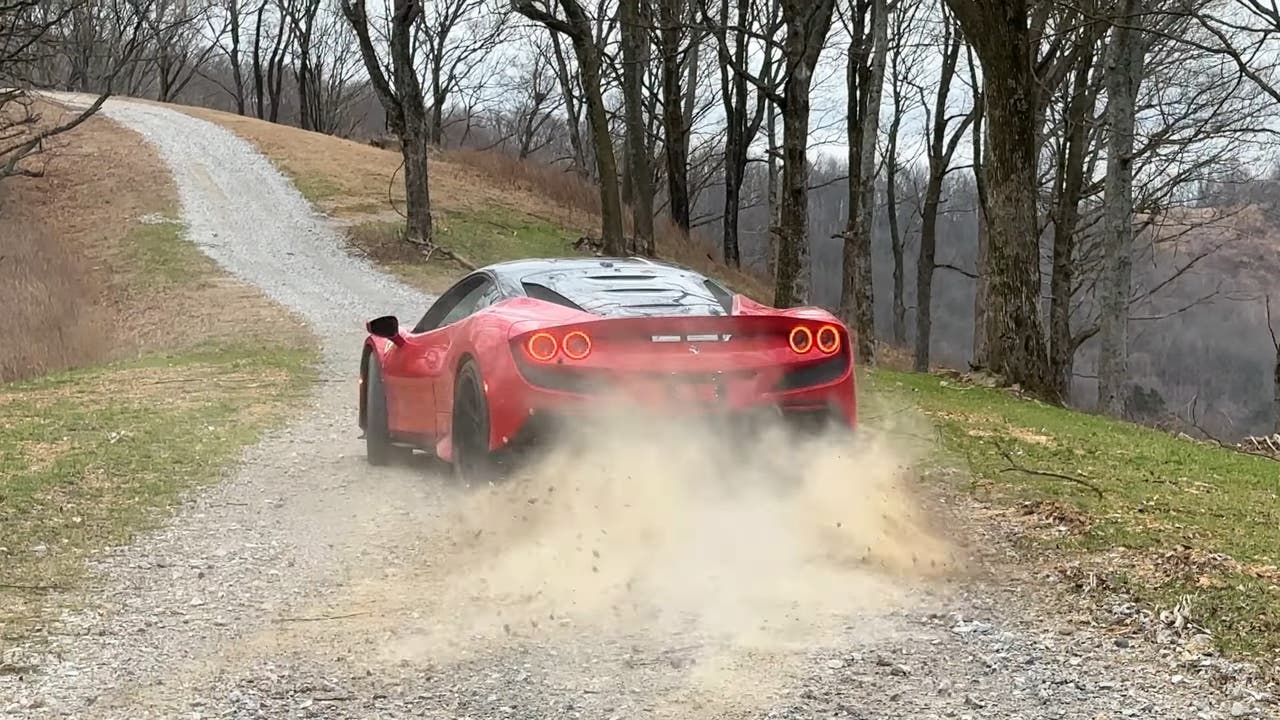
1079, 96
677, 44
27, 38
456, 36
941, 148
807, 23
177, 49
568, 80
742, 113
868, 48
1015, 344
230, 41
401, 98
1125, 56
635, 63
334, 84
577, 26
269, 56
1275, 386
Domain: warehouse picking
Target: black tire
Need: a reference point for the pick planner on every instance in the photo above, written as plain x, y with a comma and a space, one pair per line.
377, 436
472, 462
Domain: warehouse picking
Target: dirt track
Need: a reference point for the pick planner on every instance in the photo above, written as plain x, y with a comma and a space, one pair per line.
662, 577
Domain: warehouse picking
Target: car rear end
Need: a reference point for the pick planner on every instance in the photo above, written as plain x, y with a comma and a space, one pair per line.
799, 367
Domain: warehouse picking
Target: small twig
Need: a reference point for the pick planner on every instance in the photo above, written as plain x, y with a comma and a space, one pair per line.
1015, 466
320, 618
33, 588
892, 413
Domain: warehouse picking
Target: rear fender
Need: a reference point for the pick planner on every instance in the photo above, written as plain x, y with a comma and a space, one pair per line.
374, 350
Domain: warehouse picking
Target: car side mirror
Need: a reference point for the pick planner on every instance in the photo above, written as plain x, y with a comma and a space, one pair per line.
386, 326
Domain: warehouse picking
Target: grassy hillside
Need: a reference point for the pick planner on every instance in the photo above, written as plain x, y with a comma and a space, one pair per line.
131, 368
1138, 510
487, 206
1111, 504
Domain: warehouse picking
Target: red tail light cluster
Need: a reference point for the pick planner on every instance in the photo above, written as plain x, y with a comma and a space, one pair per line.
543, 346
802, 339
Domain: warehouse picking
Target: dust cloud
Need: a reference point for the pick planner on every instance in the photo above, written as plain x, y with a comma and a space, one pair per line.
636, 525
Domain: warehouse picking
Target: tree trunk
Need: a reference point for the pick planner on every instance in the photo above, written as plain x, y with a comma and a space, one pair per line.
733, 94
774, 189
402, 100
237, 73
635, 54
1077, 114
570, 107
865, 82
259, 89
896, 243
1124, 75
940, 152
982, 287
436, 124
1276, 392
606, 164
1014, 335
675, 123
807, 23
926, 264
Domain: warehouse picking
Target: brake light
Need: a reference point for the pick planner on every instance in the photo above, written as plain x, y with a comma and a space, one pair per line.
801, 339
577, 345
828, 339
542, 346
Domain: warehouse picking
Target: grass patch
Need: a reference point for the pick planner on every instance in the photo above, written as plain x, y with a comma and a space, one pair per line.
486, 237
1175, 518
315, 188
91, 457
161, 254
495, 234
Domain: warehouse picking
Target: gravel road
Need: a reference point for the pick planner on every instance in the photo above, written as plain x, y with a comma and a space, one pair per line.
308, 585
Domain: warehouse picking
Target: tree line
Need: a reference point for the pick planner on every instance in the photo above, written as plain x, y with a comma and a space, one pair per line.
1082, 140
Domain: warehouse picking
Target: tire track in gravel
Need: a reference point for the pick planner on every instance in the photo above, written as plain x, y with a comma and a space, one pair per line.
311, 585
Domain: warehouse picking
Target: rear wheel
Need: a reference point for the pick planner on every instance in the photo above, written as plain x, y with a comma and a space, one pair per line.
472, 461
377, 435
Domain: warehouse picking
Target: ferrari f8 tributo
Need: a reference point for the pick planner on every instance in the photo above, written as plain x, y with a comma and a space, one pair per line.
515, 347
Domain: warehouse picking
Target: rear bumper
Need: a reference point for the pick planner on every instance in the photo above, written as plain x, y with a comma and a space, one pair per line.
539, 399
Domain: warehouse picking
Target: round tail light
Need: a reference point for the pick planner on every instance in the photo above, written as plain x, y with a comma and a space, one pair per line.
801, 339
828, 339
577, 345
542, 346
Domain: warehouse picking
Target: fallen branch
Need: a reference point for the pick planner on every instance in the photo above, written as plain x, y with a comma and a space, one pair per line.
1015, 466
428, 248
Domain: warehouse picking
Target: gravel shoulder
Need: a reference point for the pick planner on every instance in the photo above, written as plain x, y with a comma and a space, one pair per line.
311, 585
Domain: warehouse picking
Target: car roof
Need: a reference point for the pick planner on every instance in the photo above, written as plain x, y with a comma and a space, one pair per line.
613, 287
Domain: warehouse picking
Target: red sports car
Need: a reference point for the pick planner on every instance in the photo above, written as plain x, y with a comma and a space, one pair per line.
513, 346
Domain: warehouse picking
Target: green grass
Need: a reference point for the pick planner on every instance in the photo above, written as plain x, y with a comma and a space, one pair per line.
496, 234
315, 188
159, 253
493, 235
91, 457
1167, 506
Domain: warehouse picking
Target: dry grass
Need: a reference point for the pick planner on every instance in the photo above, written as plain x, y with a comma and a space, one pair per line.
475, 195
96, 270
91, 457
89, 274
